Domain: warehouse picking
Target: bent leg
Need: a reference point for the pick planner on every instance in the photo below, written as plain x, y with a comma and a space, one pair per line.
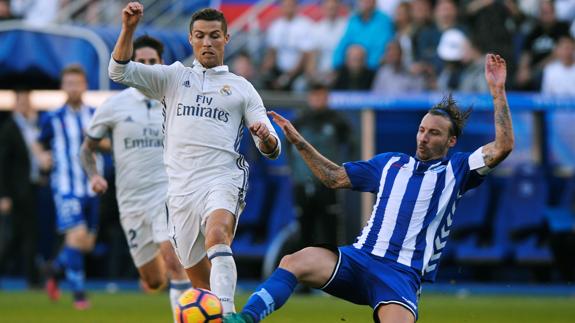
312, 266
153, 273
179, 282
394, 313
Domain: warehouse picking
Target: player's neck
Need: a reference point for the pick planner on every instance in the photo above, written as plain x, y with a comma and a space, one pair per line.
76, 105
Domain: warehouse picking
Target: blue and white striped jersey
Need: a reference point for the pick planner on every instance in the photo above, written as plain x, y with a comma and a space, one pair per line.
63, 133
415, 202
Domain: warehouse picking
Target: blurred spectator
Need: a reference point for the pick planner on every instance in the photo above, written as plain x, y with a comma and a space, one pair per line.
427, 37
354, 75
492, 27
368, 27
559, 75
404, 29
36, 12
289, 45
451, 49
421, 15
19, 176
327, 33
389, 6
529, 7
317, 206
393, 77
473, 74
243, 66
538, 48
565, 10
5, 13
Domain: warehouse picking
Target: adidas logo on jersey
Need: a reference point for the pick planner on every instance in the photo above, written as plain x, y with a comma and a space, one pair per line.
129, 119
186, 83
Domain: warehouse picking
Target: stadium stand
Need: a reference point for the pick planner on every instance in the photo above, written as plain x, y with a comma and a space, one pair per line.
528, 191
43, 51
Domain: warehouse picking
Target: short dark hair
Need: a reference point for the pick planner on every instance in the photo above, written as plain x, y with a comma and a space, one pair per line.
449, 109
74, 69
209, 14
148, 41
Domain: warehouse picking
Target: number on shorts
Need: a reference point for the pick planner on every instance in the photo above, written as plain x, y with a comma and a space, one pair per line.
132, 236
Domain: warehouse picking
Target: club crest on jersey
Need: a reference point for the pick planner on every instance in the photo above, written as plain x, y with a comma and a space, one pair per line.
186, 83
226, 90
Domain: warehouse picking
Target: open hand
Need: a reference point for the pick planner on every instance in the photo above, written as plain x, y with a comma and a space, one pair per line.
495, 72
291, 134
131, 14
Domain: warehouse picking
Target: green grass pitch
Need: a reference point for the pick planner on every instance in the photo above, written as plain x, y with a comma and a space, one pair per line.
16, 307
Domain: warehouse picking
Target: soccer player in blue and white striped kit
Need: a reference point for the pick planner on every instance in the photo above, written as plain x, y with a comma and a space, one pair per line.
76, 204
401, 244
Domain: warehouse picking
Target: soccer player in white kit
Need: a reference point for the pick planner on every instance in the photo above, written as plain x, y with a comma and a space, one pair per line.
206, 110
135, 122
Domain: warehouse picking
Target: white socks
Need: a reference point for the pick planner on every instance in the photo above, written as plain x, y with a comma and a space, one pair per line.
177, 287
223, 275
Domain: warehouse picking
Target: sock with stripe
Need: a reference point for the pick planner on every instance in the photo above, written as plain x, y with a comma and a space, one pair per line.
271, 294
223, 275
177, 287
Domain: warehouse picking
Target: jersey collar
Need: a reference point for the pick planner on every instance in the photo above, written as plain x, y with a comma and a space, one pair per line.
68, 108
198, 66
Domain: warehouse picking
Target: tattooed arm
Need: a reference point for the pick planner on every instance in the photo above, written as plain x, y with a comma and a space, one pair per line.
328, 172
88, 159
495, 74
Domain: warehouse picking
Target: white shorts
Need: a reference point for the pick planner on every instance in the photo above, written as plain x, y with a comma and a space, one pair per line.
188, 215
144, 230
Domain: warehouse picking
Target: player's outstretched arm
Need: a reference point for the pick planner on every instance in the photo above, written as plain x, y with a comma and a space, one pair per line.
496, 74
87, 157
131, 15
328, 172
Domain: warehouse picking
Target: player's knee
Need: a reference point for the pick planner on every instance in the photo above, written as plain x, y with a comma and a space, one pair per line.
155, 282
172, 264
295, 263
80, 240
218, 235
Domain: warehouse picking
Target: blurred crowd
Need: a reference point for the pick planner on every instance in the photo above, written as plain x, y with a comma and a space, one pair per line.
386, 46
396, 46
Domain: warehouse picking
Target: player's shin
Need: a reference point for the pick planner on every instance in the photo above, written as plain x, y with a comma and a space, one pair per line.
271, 294
223, 275
74, 269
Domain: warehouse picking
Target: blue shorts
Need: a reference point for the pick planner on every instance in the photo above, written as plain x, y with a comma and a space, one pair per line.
365, 279
72, 211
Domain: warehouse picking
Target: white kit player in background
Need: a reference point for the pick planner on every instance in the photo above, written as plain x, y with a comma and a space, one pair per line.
206, 110
135, 123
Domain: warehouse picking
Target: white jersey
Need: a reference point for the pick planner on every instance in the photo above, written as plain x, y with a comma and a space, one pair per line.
205, 114
135, 122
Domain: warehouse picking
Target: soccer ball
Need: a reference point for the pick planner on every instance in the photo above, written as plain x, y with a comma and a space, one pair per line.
197, 305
